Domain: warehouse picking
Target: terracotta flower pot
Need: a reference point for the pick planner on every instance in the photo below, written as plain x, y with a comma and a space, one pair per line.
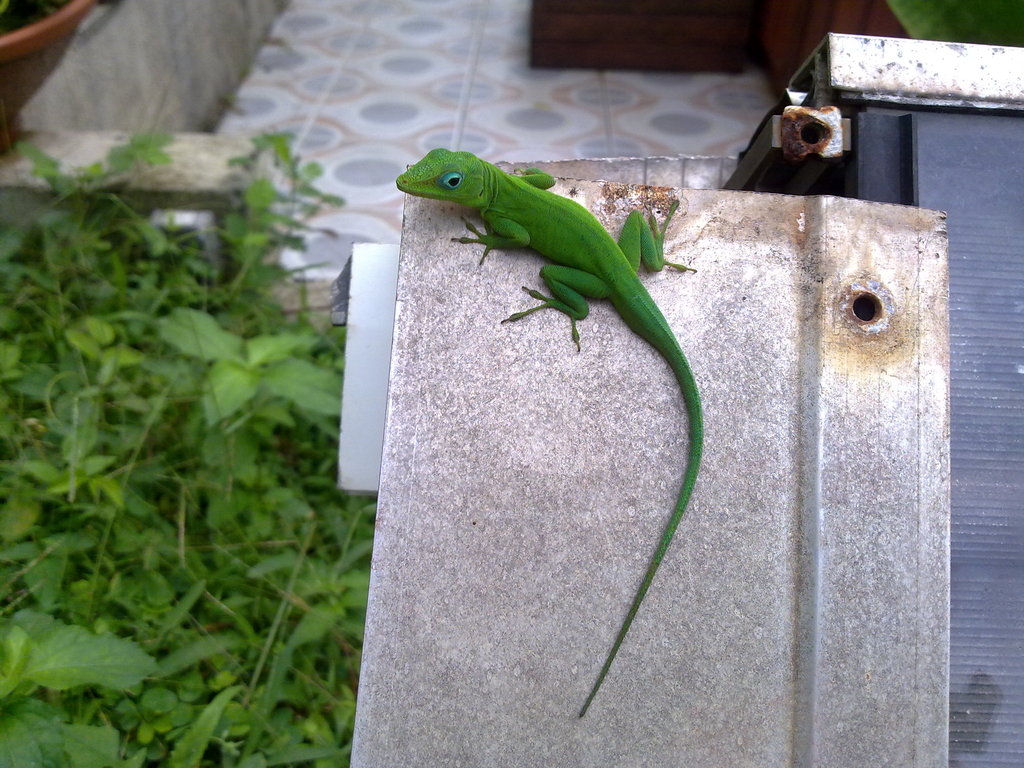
27, 57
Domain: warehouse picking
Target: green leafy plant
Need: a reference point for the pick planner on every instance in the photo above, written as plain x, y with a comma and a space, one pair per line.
994, 22
40, 652
167, 456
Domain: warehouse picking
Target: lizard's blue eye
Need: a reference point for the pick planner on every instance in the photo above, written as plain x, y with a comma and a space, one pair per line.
451, 180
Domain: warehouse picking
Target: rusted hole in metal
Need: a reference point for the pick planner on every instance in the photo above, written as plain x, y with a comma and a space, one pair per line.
804, 131
813, 132
866, 307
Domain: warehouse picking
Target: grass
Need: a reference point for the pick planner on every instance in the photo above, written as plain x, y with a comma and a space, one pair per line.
181, 583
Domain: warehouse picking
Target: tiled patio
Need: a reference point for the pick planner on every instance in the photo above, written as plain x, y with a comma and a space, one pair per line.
368, 87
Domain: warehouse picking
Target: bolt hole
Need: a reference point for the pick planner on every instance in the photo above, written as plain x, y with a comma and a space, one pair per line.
813, 133
867, 307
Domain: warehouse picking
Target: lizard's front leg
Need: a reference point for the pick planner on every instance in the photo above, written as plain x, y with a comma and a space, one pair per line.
499, 233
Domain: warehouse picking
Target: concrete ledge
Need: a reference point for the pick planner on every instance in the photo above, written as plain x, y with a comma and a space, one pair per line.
199, 176
680, 171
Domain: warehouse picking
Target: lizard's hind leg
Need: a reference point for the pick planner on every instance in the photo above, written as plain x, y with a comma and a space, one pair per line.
643, 241
570, 289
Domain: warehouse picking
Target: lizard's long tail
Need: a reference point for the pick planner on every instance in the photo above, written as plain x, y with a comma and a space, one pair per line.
661, 337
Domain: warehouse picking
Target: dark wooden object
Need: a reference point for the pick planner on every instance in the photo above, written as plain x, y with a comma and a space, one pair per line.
690, 35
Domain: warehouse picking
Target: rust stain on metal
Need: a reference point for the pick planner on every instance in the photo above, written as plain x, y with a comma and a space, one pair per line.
868, 305
872, 327
806, 131
618, 199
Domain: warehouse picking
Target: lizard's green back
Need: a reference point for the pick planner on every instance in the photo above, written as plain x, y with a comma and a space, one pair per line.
520, 212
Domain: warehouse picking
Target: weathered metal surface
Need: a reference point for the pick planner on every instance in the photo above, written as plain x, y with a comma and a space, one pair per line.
373, 271
362, 444
801, 615
883, 70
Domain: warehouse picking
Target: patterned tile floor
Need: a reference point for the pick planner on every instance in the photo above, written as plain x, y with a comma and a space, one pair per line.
367, 87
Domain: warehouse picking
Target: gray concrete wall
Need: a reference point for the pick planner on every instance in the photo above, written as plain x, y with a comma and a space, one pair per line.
148, 65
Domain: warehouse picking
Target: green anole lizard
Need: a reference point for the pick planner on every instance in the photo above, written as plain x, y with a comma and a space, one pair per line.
519, 212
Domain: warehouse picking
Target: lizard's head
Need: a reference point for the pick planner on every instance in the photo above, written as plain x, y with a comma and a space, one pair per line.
444, 175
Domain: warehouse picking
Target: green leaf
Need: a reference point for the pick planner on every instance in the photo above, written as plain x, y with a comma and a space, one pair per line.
278, 143
274, 412
260, 194
192, 653
30, 735
91, 172
115, 358
174, 616
45, 579
188, 752
35, 623
83, 431
15, 649
94, 465
198, 334
20, 553
311, 171
109, 487
279, 346
308, 386
91, 746
357, 585
314, 626
123, 356
43, 471
100, 330
142, 148
10, 355
279, 562
155, 238
159, 700
83, 342
993, 22
18, 517
304, 753
70, 655
10, 242
230, 386
45, 167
